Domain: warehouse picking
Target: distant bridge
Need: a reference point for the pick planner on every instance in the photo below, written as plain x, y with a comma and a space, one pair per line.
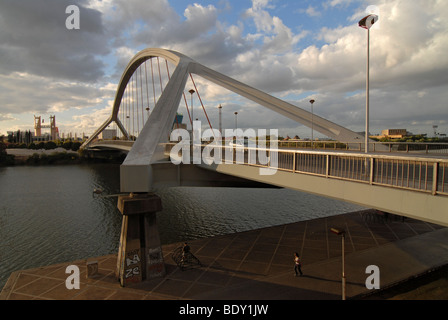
408, 185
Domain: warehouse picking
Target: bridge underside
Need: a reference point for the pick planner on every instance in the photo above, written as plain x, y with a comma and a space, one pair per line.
418, 205
165, 174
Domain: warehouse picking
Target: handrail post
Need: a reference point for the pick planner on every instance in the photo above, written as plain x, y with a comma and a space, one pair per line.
294, 162
435, 177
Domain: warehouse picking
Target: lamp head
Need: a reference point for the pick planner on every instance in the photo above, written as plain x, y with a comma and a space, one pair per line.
337, 231
368, 21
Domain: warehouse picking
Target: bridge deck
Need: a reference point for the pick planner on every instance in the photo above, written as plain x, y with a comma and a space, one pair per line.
414, 185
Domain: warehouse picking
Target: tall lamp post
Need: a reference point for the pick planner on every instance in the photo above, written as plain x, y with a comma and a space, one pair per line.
236, 120
192, 115
236, 126
220, 120
366, 23
342, 234
312, 124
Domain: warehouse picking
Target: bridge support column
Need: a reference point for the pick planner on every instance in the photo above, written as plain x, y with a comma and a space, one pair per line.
140, 254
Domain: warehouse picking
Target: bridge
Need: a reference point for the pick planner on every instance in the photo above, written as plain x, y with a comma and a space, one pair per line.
410, 185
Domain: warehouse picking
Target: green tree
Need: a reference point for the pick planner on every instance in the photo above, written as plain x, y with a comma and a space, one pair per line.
67, 145
76, 145
5, 158
49, 145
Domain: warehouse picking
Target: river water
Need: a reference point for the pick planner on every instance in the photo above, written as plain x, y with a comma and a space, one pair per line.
49, 214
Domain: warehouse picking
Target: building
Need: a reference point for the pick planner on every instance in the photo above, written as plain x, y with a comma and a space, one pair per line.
108, 134
393, 133
38, 125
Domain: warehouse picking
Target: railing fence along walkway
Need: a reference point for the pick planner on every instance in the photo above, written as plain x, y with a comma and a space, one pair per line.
407, 172
400, 147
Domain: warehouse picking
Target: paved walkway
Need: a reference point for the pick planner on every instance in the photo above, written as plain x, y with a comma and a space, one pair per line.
258, 264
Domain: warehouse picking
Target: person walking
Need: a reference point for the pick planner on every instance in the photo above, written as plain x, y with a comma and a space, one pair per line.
185, 251
297, 265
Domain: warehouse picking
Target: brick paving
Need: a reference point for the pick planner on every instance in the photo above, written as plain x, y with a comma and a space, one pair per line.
258, 264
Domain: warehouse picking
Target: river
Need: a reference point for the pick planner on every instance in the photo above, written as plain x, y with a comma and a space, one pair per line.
49, 214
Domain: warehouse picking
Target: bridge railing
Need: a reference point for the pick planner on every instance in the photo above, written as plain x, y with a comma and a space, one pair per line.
117, 142
405, 147
406, 172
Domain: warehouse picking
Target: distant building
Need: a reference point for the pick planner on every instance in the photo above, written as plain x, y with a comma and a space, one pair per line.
107, 134
38, 125
177, 124
393, 133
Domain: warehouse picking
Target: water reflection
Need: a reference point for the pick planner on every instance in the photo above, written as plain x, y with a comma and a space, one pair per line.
49, 214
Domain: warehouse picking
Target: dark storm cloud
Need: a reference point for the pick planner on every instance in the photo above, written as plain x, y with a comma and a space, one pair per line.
35, 40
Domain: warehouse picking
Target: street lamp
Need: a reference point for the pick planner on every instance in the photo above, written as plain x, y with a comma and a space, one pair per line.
366, 23
220, 120
236, 126
236, 120
191, 93
312, 124
341, 233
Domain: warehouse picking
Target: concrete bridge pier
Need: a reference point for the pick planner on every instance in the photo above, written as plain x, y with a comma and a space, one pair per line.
140, 253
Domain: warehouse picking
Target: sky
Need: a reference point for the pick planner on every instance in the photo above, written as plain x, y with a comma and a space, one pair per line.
296, 50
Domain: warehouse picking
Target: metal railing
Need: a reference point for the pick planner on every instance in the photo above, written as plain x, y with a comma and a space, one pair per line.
405, 147
423, 174
125, 143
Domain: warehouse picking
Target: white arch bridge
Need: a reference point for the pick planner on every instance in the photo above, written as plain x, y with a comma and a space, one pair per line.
153, 89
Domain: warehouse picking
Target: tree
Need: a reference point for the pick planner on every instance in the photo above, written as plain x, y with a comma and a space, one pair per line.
67, 145
5, 158
76, 145
50, 145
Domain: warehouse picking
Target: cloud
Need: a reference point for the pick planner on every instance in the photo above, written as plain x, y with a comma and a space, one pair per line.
6, 117
312, 12
34, 40
335, 3
88, 122
46, 67
27, 93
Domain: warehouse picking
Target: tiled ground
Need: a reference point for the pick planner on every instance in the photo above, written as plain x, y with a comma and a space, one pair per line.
229, 262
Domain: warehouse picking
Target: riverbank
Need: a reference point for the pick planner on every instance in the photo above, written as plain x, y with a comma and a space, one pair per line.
43, 156
49, 157
256, 264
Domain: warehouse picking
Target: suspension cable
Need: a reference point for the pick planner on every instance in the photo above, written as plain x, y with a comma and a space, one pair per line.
133, 112
136, 94
147, 90
160, 76
188, 111
153, 84
203, 108
169, 78
141, 95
